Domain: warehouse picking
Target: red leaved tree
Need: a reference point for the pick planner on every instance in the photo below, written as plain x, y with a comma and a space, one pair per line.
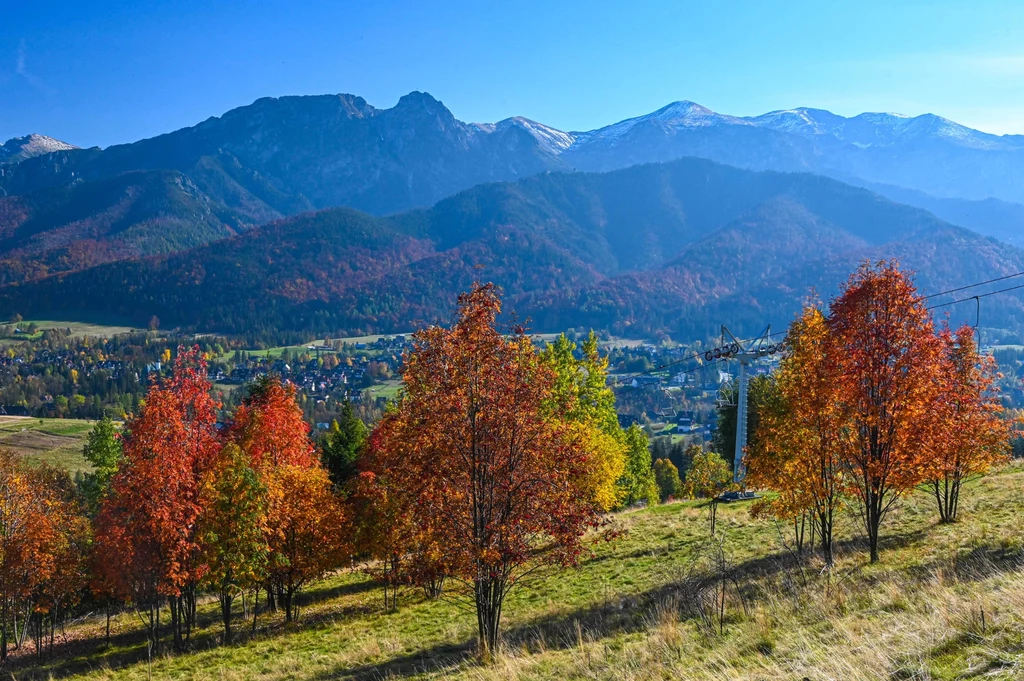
270, 428
492, 479
887, 372
147, 527
974, 436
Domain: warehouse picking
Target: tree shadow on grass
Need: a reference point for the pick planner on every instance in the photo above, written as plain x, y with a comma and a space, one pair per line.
616, 616
128, 648
622, 615
437, 659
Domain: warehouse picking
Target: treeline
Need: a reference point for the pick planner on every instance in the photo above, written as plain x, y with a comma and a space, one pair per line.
871, 402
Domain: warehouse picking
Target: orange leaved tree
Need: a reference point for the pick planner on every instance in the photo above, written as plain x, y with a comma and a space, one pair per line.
24, 534
494, 480
147, 526
61, 537
304, 519
887, 373
974, 436
797, 448
306, 523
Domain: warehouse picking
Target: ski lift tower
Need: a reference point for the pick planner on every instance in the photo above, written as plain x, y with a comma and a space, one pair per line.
746, 353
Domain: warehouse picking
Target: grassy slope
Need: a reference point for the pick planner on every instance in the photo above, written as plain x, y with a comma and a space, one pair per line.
916, 615
55, 441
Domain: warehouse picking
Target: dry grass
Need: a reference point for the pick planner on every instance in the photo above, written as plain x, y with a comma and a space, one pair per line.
947, 602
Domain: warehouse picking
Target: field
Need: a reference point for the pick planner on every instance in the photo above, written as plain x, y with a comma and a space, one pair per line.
54, 441
946, 602
388, 389
77, 328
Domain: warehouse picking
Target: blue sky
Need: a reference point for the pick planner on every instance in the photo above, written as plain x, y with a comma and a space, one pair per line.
104, 72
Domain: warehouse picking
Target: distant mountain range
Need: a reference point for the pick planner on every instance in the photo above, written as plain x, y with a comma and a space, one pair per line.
279, 157
199, 225
679, 247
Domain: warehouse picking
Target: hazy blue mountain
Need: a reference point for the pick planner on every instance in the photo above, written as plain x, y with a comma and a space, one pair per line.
296, 153
992, 217
927, 153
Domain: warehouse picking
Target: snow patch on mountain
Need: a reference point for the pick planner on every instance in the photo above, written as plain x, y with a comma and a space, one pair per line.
551, 139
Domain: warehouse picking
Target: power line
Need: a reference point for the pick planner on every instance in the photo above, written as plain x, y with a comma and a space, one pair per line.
980, 283
980, 295
699, 355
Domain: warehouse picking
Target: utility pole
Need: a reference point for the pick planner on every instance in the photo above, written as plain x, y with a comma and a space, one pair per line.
746, 353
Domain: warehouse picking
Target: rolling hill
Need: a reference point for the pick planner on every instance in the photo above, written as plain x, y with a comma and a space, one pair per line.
678, 247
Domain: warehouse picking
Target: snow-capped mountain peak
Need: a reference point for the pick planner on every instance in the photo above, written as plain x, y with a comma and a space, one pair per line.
681, 114
20, 148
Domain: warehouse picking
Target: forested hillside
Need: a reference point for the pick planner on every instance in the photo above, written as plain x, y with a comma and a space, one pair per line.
679, 247
133, 214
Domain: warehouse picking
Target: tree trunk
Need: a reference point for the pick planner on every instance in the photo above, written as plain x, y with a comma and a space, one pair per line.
271, 602
255, 609
954, 502
873, 519
175, 606
53, 626
799, 528
191, 603
286, 597
489, 594
947, 496
3, 629
434, 587
826, 522
225, 612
